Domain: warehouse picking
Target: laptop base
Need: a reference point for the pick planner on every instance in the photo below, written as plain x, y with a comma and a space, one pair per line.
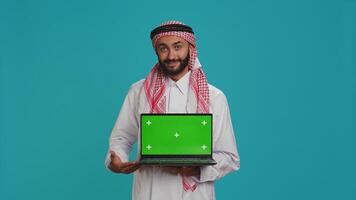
177, 162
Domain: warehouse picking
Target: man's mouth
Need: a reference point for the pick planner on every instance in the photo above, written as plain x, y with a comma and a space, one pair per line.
172, 63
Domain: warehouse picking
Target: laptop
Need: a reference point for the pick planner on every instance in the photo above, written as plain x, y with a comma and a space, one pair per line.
176, 139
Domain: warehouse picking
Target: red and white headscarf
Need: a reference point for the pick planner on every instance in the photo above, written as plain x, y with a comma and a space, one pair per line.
155, 84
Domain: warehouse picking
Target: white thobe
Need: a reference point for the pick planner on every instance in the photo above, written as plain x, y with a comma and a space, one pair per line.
151, 182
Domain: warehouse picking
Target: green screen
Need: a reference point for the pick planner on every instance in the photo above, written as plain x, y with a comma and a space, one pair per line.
176, 134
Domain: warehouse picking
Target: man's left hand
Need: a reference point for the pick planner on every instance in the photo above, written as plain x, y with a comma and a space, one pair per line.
190, 171
184, 171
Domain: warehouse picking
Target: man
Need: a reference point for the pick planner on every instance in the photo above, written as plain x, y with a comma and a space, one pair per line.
176, 84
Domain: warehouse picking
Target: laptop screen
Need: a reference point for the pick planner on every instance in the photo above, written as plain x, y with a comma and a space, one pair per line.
176, 134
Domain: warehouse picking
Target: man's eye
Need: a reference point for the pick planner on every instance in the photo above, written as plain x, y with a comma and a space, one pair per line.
163, 49
177, 47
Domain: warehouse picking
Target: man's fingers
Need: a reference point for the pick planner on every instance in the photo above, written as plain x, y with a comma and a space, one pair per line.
133, 166
118, 166
128, 164
190, 171
186, 171
126, 167
171, 169
130, 169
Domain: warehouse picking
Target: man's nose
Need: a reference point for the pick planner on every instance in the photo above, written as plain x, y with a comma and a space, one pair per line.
171, 54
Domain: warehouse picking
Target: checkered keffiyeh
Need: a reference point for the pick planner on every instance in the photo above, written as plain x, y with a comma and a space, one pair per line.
155, 86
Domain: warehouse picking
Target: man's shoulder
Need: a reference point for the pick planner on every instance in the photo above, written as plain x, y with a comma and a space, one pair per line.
218, 100
215, 92
136, 86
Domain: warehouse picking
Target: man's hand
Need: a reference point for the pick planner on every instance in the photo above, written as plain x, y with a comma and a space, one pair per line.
171, 169
184, 171
118, 166
190, 171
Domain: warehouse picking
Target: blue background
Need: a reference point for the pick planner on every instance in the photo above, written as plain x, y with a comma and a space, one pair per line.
286, 67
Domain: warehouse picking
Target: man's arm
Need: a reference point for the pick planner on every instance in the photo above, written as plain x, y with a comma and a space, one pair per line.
225, 150
124, 133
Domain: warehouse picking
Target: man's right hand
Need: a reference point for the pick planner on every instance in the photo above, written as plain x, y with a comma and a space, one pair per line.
116, 165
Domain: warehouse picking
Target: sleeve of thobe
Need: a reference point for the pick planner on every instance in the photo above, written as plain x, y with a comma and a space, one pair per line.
124, 133
225, 150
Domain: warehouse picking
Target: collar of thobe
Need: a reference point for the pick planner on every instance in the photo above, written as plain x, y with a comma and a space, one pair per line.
182, 83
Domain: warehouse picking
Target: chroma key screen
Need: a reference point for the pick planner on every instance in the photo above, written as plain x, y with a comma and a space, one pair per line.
177, 134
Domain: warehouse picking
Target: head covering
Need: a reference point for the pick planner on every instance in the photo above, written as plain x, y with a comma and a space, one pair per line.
171, 27
155, 84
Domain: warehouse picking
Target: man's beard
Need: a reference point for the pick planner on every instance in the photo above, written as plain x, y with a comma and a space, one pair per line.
173, 72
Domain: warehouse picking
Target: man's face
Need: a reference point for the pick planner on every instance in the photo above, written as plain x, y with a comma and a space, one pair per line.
173, 54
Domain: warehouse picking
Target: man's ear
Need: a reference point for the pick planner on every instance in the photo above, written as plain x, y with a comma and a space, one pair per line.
191, 47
